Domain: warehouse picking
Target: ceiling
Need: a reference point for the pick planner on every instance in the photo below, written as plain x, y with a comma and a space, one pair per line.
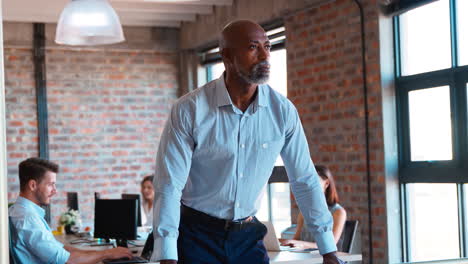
161, 13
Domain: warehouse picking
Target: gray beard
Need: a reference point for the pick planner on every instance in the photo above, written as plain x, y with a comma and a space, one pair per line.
256, 76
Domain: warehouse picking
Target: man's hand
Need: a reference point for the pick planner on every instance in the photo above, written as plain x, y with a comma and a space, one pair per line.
297, 243
118, 252
168, 261
331, 258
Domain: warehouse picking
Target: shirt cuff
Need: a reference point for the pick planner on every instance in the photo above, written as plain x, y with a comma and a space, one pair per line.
63, 257
325, 242
164, 248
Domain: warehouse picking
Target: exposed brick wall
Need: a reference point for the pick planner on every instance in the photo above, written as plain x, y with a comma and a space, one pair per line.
106, 114
107, 109
20, 99
325, 84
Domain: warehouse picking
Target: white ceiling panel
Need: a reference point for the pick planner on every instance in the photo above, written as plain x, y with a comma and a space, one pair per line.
162, 13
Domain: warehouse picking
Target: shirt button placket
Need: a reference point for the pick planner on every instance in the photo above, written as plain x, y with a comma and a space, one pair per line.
240, 165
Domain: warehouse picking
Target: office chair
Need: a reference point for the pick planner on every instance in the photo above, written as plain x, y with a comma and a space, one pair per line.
11, 234
348, 236
134, 197
148, 248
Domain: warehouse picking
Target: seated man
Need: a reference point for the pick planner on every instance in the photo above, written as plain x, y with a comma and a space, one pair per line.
34, 242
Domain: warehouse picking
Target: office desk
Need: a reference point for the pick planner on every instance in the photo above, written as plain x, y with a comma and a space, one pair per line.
283, 257
287, 257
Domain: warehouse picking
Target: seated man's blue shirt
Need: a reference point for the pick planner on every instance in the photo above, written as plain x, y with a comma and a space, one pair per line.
34, 241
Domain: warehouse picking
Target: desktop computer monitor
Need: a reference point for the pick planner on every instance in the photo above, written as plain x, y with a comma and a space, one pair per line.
116, 218
134, 197
72, 200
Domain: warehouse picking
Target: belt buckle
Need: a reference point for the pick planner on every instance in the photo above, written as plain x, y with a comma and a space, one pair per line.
228, 224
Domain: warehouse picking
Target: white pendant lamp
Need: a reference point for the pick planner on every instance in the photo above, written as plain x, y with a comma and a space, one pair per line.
88, 22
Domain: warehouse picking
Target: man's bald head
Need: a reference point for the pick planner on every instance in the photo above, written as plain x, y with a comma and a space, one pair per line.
245, 49
239, 29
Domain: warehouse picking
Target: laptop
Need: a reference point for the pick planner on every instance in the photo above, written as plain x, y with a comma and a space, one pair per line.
272, 244
145, 254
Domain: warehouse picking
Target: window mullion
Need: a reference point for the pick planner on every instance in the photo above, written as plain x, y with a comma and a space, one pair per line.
453, 33
404, 223
462, 220
396, 43
462, 118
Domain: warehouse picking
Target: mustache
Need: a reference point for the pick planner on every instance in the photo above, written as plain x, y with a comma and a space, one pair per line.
261, 64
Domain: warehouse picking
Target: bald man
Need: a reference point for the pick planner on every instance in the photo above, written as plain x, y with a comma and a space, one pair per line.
216, 155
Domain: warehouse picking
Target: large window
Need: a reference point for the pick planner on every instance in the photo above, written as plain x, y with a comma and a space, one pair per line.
432, 76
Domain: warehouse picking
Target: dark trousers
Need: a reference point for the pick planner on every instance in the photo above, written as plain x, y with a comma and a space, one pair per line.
205, 241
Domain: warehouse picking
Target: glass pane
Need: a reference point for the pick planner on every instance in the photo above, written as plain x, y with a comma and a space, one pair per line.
425, 38
263, 213
462, 26
216, 70
281, 206
430, 124
201, 76
432, 221
278, 74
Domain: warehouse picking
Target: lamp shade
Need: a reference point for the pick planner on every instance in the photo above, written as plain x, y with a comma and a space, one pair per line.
88, 22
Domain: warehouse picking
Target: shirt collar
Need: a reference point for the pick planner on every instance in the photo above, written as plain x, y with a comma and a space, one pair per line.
28, 204
223, 98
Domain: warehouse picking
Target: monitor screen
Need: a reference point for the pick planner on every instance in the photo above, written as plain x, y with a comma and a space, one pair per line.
72, 200
115, 219
137, 197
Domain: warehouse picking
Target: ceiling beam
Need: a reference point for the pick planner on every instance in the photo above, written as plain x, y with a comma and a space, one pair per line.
162, 8
189, 2
125, 20
152, 23
156, 16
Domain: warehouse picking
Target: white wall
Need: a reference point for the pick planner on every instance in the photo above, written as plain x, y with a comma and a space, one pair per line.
3, 173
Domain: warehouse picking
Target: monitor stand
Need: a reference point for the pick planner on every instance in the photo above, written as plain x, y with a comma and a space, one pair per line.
121, 242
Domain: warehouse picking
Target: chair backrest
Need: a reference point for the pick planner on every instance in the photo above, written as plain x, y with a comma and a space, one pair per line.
148, 248
349, 235
11, 234
135, 197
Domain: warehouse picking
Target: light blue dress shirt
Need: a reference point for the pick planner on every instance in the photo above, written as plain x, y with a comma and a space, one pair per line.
215, 158
306, 235
34, 241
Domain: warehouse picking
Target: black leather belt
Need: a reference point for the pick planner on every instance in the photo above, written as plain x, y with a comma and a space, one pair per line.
195, 216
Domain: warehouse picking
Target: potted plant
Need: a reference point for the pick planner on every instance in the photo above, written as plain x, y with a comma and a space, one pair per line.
71, 221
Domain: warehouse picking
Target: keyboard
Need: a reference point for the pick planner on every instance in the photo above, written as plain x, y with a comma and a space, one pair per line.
125, 260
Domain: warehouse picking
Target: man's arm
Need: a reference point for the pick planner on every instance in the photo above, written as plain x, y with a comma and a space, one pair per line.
172, 164
78, 256
305, 183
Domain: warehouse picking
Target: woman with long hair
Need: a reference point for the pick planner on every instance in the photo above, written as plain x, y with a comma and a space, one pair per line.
303, 238
147, 192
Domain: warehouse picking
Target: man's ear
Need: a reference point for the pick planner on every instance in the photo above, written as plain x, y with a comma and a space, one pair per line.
32, 185
226, 56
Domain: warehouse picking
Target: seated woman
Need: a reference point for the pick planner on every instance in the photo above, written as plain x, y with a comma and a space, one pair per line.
304, 238
147, 192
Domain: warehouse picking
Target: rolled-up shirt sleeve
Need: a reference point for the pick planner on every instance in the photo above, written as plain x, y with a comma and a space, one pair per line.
173, 163
42, 243
305, 183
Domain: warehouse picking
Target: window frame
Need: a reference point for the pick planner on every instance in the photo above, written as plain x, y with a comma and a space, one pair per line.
456, 77
453, 171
